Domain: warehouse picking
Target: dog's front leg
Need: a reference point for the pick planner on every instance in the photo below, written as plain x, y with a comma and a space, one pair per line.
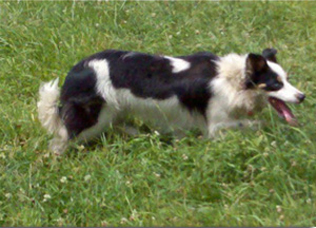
215, 128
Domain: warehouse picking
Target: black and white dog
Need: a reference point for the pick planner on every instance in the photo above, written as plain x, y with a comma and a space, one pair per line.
174, 93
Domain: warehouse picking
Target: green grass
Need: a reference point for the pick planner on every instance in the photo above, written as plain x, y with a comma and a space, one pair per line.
251, 178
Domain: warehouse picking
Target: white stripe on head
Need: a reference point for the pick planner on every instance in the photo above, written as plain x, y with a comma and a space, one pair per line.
277, 69
287, 93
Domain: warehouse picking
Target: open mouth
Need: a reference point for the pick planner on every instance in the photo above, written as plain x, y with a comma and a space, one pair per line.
283, 110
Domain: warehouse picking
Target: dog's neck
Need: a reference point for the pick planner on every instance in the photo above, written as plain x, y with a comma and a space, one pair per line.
232, 67
230, 83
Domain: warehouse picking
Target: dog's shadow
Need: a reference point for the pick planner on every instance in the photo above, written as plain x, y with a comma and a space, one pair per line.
110, 137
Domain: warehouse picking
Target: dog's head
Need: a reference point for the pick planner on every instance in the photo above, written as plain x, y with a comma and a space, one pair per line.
264, 73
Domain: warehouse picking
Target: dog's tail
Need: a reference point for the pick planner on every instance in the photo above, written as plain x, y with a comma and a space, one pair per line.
47, 107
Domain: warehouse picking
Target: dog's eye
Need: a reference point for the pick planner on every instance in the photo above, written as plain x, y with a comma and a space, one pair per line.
277, 85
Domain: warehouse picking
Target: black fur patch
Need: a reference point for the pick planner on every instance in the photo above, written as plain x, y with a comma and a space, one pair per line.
270, 54
80, 104
259, 72
150, 76
269, 78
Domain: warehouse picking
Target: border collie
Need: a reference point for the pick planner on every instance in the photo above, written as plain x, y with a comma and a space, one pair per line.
174, 93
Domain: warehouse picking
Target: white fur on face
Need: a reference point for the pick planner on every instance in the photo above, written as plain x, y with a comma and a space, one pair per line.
287, 93
178, 65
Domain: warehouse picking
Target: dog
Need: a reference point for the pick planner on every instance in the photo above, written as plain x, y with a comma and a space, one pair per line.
201, 91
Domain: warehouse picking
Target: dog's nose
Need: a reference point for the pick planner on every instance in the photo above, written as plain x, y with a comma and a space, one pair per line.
300, 97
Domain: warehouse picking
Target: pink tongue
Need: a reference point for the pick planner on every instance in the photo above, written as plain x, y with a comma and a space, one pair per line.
283, 110
289, 117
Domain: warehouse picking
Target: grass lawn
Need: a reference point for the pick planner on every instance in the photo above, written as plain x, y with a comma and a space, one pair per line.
250, 178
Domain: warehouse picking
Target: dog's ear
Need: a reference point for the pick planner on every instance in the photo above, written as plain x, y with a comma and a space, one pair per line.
255, 63
270, 54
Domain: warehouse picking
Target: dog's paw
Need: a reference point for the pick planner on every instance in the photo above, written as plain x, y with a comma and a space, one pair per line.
253, 124
256, 124
57, 146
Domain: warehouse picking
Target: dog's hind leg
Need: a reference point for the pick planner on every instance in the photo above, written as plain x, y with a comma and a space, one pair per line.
85, 118
104, 121
59, 143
